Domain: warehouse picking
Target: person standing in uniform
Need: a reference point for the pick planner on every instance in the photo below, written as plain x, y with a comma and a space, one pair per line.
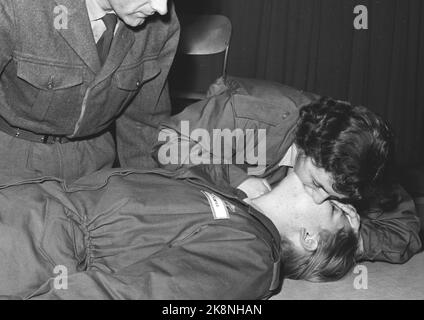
69, 69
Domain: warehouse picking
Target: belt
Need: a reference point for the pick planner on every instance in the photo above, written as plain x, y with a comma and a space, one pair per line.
29, 135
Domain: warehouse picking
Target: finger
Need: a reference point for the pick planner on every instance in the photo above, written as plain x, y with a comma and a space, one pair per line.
354, 223
350, 221
347, 208
351, 210
350, 213
266, 184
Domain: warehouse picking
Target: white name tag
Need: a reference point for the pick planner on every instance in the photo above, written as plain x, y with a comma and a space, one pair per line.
219, 209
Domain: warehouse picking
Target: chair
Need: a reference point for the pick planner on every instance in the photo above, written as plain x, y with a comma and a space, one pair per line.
202, 55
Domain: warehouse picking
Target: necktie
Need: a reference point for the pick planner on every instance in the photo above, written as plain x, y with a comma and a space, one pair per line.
103, 45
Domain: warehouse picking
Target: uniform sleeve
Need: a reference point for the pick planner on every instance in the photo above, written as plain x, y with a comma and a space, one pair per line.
6, 33
212, 265
136, 128
392, 236
182, 144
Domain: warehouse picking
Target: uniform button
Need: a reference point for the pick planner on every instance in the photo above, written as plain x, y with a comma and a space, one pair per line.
285, 115
138, 84
50, 84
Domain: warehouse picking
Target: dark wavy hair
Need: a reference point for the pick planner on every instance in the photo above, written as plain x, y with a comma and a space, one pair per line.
350, 142
331, 261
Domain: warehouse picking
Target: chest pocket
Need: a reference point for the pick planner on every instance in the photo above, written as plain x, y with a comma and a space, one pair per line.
258, 110
130, 80
47, 86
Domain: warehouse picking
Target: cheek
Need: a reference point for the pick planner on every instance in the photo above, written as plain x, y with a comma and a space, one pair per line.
128, 7
303, 207
298, 170
317, 216
306, 184
301, 170
326, 221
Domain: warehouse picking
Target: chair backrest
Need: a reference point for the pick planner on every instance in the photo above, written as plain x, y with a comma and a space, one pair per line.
202, 54
204, 34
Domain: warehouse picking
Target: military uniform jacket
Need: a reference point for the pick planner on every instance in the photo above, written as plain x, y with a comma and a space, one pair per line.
133, 235
52, 82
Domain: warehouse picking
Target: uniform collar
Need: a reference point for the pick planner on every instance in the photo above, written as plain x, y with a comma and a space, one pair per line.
267, 223
95, 10
272, 235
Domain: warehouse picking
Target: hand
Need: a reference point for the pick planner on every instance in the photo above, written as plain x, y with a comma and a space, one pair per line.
254, 187
351, 214
355, 222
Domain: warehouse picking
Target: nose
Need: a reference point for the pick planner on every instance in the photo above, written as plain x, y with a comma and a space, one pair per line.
160, 6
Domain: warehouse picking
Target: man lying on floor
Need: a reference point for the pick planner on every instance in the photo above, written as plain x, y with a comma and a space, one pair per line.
164, 235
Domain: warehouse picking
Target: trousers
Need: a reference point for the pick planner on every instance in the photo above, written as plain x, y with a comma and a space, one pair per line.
68, 161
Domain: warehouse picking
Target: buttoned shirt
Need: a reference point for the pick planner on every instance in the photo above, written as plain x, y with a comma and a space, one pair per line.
95, 14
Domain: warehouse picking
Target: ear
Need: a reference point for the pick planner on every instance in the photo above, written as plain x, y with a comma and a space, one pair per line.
308, 240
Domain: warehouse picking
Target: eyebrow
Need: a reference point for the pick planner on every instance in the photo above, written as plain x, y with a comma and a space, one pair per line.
331, 197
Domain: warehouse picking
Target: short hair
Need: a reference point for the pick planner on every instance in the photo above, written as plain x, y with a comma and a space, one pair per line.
350, 142
334, 257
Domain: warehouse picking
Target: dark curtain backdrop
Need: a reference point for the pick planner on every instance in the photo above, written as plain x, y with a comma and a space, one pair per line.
312, 45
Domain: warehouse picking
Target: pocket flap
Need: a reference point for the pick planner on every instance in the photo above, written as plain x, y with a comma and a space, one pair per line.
49, 77
133, 78
252, 108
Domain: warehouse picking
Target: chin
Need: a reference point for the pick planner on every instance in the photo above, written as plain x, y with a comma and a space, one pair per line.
134, 22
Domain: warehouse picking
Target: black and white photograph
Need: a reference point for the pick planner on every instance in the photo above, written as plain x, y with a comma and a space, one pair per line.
207, 153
